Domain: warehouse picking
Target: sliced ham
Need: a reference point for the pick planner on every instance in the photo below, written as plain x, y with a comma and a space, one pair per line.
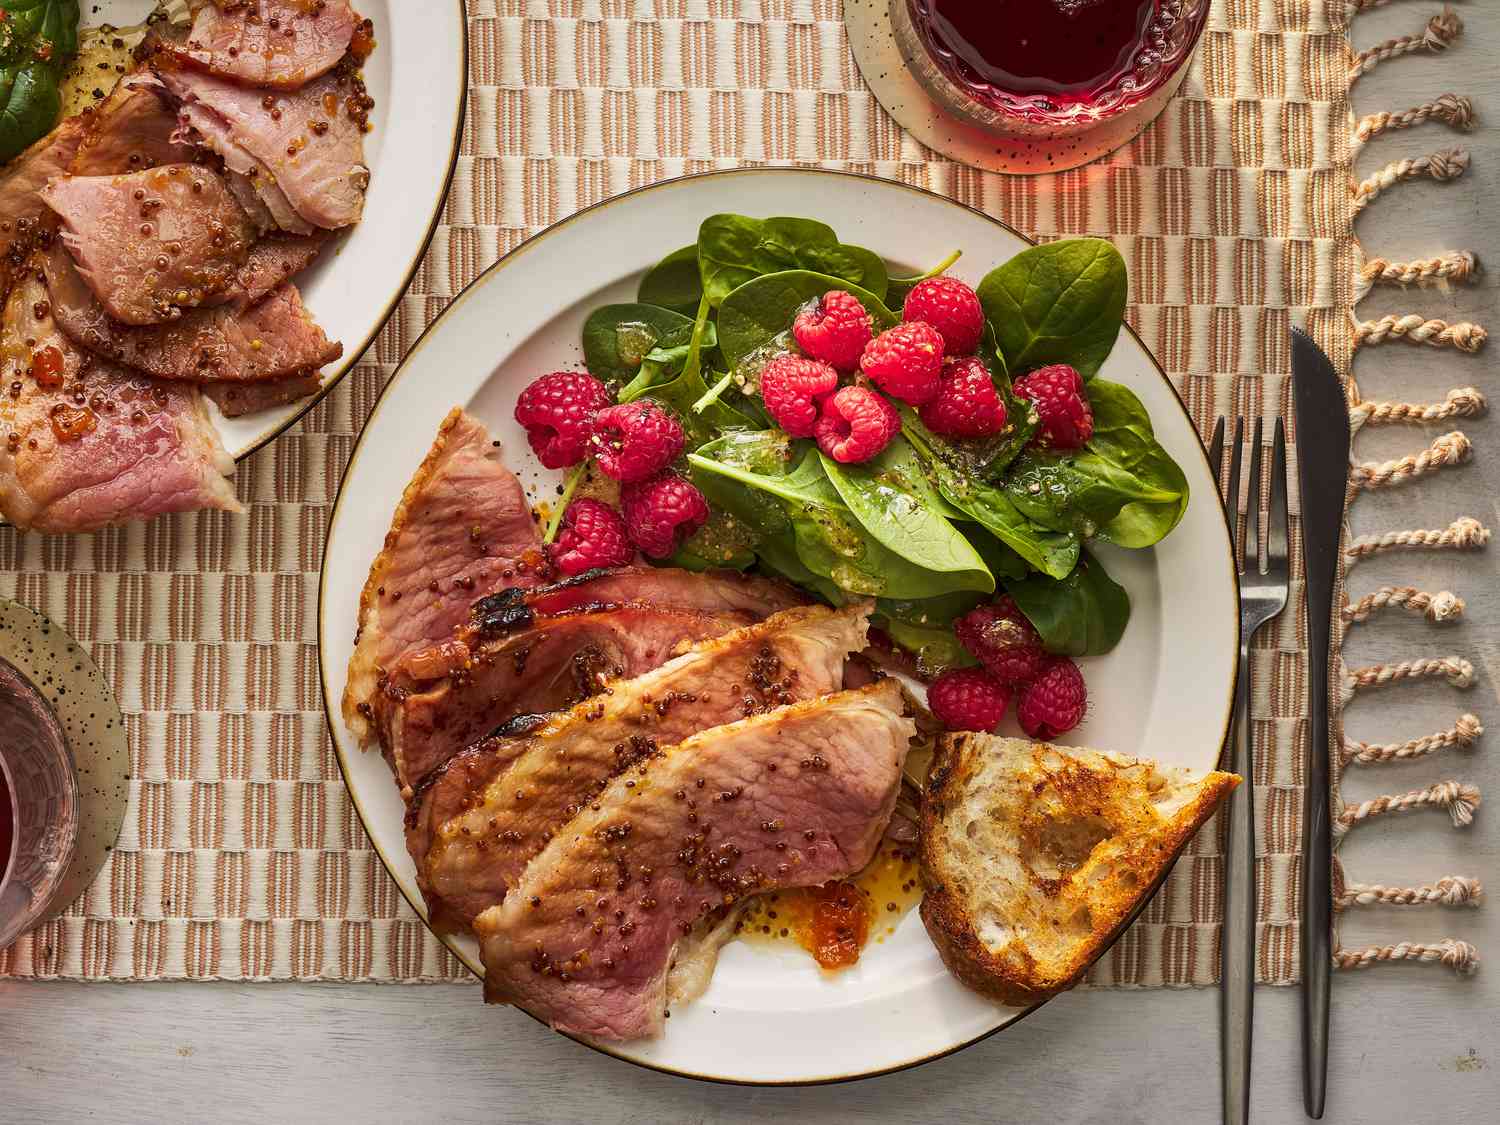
791, 798
21, 206
302, 150
471, 837
461, 530
280, 43
237, 399
273, 339
552, 665
133, 448
271, 261
133, 129
152, 244
546, 648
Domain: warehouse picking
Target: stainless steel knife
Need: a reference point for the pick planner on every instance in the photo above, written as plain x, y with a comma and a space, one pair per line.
1323, 439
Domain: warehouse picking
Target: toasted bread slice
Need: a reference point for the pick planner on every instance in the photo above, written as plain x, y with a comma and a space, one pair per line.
1034, 857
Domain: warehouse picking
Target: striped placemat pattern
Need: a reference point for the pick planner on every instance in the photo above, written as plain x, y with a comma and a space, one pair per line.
242, 857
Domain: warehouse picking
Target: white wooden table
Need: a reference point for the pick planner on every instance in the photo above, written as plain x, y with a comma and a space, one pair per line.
1409, 1044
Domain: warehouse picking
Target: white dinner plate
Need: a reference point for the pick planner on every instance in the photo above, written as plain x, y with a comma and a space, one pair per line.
770, 1015
418, 77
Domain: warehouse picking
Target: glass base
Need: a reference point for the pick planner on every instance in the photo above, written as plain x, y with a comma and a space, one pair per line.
937, 113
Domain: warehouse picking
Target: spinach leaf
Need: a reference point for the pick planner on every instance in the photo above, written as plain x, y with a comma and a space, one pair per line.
1083, 614
1045, 549
618, 338
674, 282
893, 501
682, 393
50, 27
1125, 442
936, 649
30, 105
1078, 491
762, 309
1002, 560
733, 249
1063, 302
37, 39
828, 540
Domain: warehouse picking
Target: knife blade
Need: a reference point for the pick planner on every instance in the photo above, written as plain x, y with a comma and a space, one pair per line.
1323, 440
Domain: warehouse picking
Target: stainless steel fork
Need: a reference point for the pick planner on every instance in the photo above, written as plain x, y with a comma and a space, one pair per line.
1263, 576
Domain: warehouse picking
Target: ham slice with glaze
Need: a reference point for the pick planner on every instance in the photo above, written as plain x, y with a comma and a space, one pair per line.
548, 647
471, 836
270, 340
791, 798
553, 664
152, 244
462, 529
279, 43
302, 150
133, 448
131, 130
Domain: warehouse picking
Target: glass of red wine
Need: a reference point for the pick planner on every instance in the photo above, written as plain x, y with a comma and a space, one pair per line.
1057, 82
38, 805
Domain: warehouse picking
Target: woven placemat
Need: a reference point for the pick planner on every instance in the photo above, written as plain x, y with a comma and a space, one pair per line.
242, 857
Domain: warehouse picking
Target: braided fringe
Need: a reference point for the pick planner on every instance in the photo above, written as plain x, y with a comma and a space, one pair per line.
1459, 956
1465, 534
1440, 166
1450, 449
1455, 669
1461, 402
1459, 267
1450, 109
1438, 608
1450, 890
1459, 800
1433, 332
1442, 29
1463, 733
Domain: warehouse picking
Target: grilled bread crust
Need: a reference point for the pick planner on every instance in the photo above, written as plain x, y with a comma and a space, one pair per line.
1035, 857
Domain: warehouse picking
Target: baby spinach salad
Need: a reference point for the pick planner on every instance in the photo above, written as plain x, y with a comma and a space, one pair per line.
37, 39
931, 520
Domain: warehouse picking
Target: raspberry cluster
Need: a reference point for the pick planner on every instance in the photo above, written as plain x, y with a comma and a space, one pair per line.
1050, 694
568, 417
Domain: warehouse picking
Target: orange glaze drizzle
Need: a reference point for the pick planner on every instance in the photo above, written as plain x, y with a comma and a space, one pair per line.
835, 922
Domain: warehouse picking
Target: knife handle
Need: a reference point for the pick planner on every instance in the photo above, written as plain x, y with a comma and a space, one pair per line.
1317, 895
1237, 955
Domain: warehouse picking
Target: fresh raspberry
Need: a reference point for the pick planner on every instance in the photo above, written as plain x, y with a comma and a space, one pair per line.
905, 362
855, 424
951, 307
968, 699
1054, 702
558, 412
635, 440
835, 328
592, 535
1067, 419
1001, 638
967, 403
661, 512
791, 386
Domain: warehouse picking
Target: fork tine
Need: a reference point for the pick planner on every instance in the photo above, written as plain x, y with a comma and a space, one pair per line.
1253, 559
1232, 500
1216, 454
1276, 540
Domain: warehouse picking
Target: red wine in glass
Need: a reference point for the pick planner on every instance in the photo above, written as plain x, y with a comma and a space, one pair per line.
1056, 82
38, 805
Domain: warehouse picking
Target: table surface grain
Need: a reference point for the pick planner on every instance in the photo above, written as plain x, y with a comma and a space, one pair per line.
1409, 1044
